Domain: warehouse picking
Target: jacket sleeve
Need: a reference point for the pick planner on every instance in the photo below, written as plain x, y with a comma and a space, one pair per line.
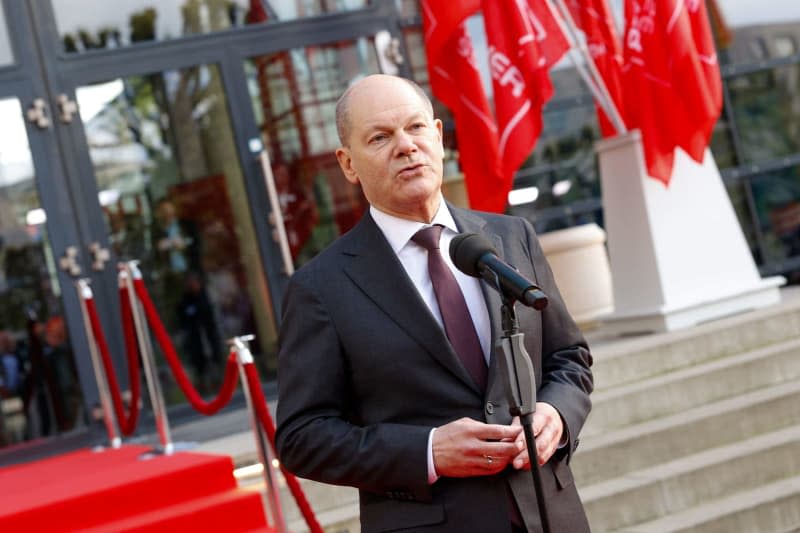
566, 375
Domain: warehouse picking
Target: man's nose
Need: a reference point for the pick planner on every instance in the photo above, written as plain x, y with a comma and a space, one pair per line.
405, 144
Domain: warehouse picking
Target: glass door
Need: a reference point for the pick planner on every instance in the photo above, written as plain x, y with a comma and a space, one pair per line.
42, 378
47, 388
162, 150
173, 196
293, 94
174, 193
174, 161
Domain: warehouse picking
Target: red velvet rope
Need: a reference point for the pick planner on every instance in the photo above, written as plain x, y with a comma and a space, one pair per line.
260, 404
224, 396
127, 424
231, 371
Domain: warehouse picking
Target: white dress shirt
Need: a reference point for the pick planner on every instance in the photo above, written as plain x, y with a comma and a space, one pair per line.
414, 258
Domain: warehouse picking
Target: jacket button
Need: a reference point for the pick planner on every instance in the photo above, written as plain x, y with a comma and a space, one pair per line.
489, 408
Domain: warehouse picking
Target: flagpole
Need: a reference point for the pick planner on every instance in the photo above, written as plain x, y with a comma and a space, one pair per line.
592, 78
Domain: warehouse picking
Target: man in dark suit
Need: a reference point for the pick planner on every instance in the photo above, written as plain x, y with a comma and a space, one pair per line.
372, 394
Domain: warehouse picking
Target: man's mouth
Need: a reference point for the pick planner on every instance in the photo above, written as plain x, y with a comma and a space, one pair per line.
411, 168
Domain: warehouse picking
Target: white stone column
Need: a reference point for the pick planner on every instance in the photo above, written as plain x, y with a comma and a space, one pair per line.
678, 255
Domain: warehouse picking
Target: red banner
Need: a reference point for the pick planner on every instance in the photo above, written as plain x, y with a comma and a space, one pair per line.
524, 42
594, 18
456, 82
671, 78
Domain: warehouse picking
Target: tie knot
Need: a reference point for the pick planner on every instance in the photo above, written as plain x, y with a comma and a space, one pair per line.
428, 237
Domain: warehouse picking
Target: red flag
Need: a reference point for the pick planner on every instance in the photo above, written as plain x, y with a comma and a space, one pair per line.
594, 18
456, 82
525, 40
671, 78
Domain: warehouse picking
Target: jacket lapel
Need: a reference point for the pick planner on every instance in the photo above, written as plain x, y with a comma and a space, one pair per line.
374, 268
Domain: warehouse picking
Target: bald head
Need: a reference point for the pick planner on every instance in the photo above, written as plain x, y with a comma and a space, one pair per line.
343, 124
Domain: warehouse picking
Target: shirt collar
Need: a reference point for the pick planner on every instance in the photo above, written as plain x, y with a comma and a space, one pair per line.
398, 231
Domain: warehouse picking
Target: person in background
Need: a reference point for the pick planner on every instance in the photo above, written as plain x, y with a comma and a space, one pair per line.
176, 243
200, 336
10, 371
182, 294
61, 374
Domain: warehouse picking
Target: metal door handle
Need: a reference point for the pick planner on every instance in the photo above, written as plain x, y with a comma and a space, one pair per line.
66, 108
100, 256
68, 261
37, 114
276, 216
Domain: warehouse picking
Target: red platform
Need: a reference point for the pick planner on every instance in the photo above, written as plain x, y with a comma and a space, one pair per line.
119, 491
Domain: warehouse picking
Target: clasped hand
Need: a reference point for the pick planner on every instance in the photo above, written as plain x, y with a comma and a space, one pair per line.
467, 447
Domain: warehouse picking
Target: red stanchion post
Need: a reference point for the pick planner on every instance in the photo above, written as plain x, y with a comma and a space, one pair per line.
126, 422
253, 384
85, 293
128, 272
240, 346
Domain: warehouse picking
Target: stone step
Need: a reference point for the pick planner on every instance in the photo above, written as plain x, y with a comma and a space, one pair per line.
774, 507
682, 389
614, 453
625, 360
335, 508
342, 519
674, 486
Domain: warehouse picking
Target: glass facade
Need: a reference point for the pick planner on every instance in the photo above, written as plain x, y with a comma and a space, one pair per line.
757, 140
128, 22
162, 161
172, 194
294, 96
6, 53
40, 394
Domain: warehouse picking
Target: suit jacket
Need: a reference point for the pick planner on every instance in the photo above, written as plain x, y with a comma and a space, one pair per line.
365, 372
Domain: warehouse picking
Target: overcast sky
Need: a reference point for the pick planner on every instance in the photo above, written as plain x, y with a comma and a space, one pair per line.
746, 12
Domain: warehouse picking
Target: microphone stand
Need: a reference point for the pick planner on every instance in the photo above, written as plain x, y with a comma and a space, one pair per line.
516, 371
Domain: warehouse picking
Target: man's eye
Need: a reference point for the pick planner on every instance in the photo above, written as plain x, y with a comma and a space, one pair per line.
377, 138
417, 125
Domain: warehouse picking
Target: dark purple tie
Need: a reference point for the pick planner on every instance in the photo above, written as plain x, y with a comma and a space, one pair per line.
458, 323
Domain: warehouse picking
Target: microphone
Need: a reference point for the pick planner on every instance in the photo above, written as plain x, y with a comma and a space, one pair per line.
475, 256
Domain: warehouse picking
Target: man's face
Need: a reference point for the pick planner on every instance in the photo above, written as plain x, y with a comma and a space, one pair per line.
395, 148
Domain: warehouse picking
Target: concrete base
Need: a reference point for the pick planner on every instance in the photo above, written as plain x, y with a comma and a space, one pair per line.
642, 320
579, 261
678, 255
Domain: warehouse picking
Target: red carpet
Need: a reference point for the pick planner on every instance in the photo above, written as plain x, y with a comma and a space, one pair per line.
116, 491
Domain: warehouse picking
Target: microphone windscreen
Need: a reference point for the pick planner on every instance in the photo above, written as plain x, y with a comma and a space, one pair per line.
466, 250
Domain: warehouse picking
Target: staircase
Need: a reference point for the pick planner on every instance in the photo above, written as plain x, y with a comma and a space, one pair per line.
697, 430
125, 490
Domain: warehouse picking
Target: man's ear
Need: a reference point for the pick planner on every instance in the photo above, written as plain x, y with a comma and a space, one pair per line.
346, 163
440, 130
